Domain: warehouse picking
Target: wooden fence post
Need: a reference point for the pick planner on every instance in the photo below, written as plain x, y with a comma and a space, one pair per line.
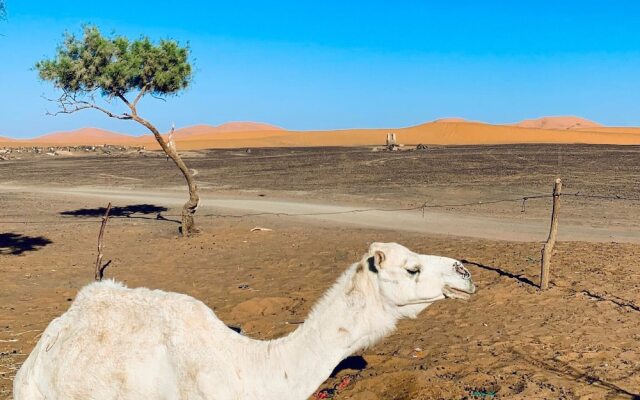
99, 267
547, 250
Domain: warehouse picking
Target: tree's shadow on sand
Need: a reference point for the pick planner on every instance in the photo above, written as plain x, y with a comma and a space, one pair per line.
15, 243
132, 211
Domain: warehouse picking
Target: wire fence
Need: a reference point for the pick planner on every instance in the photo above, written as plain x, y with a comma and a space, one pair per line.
423, 207
161, 215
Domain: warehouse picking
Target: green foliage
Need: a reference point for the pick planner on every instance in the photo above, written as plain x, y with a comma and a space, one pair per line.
116, 66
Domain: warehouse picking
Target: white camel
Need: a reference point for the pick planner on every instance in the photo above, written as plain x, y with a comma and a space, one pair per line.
120, 343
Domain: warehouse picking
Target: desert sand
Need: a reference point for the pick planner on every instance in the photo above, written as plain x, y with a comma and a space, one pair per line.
447, 131
206, 130
83, 136
577, 340
558, 123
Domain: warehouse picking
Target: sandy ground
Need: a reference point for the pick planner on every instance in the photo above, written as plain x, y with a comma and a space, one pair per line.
576, 341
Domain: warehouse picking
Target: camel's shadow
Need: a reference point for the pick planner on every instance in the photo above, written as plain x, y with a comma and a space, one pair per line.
357, 363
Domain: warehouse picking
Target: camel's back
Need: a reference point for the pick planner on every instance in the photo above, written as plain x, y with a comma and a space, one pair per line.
114, 341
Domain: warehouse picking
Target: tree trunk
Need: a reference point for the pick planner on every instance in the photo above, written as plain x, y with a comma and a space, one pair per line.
190, 207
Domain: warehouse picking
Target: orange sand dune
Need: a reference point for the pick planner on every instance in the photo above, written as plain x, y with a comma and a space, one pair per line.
83, 136
456, 119
450, 119
242, 126
557, 123
613, 129
96, 136
205, 130
441, 132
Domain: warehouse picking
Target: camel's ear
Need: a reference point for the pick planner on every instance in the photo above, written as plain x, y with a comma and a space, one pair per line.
379, 257
376, 257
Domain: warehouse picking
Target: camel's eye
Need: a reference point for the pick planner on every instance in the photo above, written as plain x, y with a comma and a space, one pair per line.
461, 270
413, 271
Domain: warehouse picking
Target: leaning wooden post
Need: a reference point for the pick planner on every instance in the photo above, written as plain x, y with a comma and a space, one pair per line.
99, 267
553, 233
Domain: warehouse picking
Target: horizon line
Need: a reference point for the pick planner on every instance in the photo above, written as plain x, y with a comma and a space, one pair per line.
593, 124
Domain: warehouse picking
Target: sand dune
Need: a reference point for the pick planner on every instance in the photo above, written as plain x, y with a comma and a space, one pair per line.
613, 129
558, 123
449, 131
243, 126
450, 119
84, 136
204, 131
96, 136
435, 133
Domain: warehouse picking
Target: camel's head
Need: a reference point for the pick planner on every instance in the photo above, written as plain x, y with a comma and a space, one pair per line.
411, 281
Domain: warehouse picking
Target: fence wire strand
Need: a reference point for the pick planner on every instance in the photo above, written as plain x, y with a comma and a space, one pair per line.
160, 216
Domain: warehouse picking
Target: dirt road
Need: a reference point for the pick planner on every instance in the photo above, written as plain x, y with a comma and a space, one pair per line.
427, 221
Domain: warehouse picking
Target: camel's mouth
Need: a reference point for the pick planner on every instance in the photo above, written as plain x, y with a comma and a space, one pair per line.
455, 293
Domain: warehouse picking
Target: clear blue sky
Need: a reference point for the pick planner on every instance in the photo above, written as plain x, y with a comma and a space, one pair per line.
338, 64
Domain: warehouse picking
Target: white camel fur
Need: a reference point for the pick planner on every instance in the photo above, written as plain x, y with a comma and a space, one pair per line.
120, 343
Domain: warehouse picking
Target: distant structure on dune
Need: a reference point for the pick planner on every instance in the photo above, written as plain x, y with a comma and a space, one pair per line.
391, 139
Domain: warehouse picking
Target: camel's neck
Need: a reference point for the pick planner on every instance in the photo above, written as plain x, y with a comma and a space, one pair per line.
346, 320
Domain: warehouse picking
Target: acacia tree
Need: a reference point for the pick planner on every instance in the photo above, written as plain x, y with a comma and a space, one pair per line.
120, 70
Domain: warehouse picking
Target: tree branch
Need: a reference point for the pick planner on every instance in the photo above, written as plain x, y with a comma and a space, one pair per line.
158, 97
121, 96
68, 110
69, 104
138, 97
